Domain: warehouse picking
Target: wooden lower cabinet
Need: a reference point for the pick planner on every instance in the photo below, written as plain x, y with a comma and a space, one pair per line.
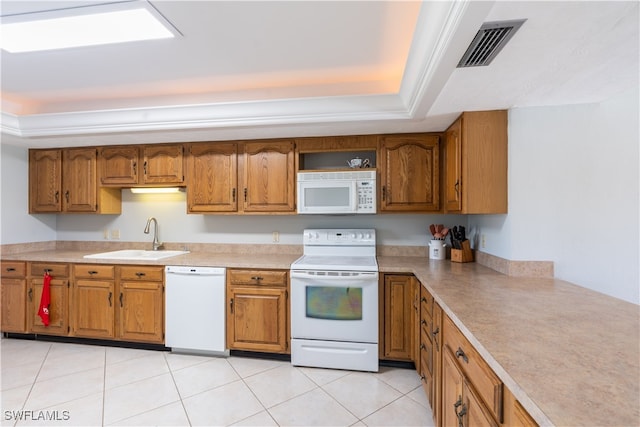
258, 310
398, 317
93, 301
141, 304
59, 298
13, 294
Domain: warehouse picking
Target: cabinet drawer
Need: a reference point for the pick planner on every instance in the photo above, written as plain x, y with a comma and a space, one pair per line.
484, 380
150, 274
55, 270
93, 271
426, 353
426, 301
258, 277
13, 269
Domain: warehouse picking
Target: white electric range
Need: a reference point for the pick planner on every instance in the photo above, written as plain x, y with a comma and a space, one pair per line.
334, 300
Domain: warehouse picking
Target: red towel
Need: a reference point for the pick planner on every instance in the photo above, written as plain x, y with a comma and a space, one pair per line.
45, 299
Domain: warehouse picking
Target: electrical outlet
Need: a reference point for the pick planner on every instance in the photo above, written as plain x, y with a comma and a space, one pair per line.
482, 241
115, 234
105, 234
276, 237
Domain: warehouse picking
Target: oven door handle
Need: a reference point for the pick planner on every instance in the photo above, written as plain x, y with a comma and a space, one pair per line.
341, 276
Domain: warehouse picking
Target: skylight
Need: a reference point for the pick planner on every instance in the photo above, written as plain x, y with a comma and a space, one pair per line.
84, 26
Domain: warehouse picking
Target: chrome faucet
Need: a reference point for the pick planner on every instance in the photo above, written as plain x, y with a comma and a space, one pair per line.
156, 244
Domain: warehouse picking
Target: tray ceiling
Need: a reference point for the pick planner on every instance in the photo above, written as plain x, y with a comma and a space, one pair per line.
263, 69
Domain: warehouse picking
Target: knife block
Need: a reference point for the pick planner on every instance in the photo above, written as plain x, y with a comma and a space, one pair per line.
462, 255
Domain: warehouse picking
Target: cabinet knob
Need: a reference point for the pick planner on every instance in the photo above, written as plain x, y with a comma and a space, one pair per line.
460, 353
257, 278
11, 269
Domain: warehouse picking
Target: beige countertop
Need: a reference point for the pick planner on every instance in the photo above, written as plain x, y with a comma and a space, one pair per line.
571, 356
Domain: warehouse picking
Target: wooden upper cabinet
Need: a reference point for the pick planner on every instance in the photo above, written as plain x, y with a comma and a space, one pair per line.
269, 176
453, 168
45, 181
410, 173
127, 166
212, 177
163, 164
119, 165
66, 180
79, 171
476, 163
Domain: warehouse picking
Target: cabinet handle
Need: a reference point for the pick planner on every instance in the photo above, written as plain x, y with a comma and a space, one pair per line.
144, 167
48, 270
460, 353
57, 196
423, 322
457, 187
233, 195
121, 296
11, 269
257, 278
245, 194
135, 167
423, 299
30, 294
435, 337
140, 274
66, 195
231, 305
92, 272
422, 346
384, 193
110, 295
462, 413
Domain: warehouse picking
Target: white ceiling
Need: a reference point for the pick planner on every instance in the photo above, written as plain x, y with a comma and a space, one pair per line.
264, 69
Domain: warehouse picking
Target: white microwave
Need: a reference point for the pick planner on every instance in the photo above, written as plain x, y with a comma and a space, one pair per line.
348, 192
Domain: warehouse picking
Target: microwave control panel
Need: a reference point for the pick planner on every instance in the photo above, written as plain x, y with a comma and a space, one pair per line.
366, 196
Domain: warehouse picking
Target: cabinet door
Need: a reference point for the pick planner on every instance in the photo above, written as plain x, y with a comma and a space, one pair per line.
475, 412
436, 335
410, 173
141, 311
163, 164
14, 304
212, 178
398, 317
58, 307
93, 309
453, 168
79, 175
45, 181
257, 319
451, 390
269, 181
118, 165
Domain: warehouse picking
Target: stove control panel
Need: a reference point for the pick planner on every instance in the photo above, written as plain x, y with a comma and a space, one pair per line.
340, 237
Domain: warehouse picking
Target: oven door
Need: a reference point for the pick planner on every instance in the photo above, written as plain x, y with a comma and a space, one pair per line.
334, 305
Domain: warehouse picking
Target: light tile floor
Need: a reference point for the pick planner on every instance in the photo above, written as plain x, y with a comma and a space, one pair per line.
47, 384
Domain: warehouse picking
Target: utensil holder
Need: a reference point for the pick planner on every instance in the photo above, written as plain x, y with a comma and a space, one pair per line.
462, 255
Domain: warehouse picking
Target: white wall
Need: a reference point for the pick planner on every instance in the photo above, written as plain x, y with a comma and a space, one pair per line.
176, 226
16, 225
574, 194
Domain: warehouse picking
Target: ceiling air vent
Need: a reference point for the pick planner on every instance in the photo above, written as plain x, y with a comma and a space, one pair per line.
489, 40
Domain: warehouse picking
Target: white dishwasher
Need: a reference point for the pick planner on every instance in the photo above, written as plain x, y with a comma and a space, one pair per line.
195, 310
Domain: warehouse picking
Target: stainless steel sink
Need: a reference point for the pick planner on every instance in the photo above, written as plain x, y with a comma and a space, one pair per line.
136, 254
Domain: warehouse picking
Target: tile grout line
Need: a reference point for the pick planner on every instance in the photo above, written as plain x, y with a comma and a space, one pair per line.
186, 413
